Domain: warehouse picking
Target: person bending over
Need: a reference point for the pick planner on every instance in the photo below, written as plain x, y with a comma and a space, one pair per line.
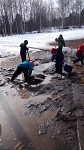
25, 67
79, 54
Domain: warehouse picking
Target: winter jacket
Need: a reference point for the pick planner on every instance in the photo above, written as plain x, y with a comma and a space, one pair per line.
26, 64
61, 41
58, 57
23, 49
80, 50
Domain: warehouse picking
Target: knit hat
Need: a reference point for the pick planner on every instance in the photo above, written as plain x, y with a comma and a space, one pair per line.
25, 42
53, 50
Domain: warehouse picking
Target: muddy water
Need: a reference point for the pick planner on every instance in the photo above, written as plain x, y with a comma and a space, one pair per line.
28, 128
21, 130
39, 70
18, 127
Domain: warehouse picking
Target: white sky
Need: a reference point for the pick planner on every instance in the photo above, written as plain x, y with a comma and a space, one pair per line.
10, 44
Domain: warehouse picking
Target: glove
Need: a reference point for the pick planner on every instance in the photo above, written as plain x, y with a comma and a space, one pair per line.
56, 39
27, 49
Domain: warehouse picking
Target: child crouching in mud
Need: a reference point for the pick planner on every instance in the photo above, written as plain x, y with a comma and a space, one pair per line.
79, 54
58, 57
26, 67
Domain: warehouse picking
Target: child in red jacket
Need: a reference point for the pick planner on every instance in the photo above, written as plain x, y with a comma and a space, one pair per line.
79, 54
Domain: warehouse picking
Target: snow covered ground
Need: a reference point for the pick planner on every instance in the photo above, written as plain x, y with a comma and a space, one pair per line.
10, 44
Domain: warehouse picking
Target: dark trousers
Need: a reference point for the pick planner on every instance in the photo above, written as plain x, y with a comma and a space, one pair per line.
79, 58
59, 60
23, 57
58, 68
60, 48
18, 71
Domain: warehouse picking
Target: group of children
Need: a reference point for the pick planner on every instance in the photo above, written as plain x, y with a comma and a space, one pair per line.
26, 66
58, 56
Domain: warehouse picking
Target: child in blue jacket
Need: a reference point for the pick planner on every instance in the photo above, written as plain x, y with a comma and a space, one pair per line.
26, 67
58, 57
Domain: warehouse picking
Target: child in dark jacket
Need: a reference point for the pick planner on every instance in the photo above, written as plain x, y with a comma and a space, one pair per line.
58, 57
23, 50
61, 42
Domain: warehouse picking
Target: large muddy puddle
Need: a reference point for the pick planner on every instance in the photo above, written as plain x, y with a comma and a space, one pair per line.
20, 129
35, 116
24, 129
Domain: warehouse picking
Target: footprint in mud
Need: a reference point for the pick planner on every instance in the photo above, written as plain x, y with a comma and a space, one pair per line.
43, 129
21, 146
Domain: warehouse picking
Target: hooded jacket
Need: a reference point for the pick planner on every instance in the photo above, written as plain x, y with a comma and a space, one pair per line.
27, 65
23, 49
80, 50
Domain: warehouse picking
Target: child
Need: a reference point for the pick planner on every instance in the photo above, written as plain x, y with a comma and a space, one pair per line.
23, 50
25, 67
79, 54
61, 42
58, 56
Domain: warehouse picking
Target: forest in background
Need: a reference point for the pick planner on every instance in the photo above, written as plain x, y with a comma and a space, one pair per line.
21, 16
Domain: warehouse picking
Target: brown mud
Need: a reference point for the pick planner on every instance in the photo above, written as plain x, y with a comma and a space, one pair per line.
72, 43
42, 114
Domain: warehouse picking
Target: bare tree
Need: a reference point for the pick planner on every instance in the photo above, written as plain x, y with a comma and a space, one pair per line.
51, 11
10, 8
40, 6
25, 12
76, 7
19, 16
63, 6
2, 14
79, 6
